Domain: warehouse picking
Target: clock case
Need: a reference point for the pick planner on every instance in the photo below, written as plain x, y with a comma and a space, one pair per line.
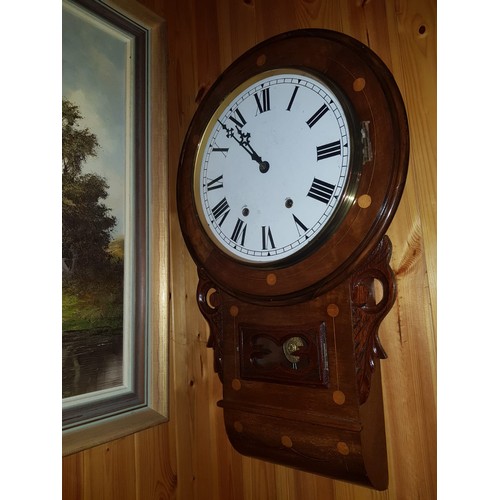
321, 308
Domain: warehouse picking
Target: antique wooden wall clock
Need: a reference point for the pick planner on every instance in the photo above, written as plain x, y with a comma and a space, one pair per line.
290, 174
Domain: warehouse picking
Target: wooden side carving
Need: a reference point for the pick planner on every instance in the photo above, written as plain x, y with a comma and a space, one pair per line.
368, 313
209, 303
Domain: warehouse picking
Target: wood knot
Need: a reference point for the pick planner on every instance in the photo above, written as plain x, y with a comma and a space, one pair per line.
412, 253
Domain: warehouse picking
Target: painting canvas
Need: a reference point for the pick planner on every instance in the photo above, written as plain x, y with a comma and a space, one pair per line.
96, 153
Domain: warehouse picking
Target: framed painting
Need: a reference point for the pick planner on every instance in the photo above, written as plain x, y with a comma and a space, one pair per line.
114, 229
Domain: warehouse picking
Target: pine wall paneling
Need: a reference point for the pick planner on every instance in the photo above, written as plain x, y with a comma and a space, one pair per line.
190, 458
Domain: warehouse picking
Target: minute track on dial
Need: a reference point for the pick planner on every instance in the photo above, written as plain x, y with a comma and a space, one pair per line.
301, 144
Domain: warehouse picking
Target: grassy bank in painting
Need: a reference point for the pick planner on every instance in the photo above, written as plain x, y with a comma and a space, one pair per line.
92, 326
95, 300
92, 341
90, 312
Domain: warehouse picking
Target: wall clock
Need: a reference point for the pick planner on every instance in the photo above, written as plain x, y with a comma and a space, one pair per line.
290, 174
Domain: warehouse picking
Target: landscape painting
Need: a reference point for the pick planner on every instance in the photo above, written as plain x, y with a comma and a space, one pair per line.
95, 165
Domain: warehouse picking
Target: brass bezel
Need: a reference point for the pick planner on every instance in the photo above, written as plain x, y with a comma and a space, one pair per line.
349, 191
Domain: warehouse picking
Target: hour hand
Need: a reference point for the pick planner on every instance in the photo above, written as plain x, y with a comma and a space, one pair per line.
244, 141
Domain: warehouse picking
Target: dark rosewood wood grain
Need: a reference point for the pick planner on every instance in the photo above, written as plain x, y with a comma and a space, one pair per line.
309, 417
296, 345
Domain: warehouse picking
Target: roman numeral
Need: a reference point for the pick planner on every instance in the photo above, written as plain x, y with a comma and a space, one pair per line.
321, 190
328, 150
299, 224
239, 232
292, 98
221, 210
267, 238
220, 150
240, 121
215, 184
263, 101
315, 118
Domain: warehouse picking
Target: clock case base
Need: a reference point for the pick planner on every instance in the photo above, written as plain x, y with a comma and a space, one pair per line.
270, 412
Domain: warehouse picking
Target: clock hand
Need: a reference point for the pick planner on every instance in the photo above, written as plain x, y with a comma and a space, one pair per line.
244, 142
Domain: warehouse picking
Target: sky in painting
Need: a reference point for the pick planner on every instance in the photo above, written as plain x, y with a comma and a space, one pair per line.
94, 62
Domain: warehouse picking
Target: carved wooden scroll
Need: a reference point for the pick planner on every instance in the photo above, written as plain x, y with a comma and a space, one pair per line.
368, 312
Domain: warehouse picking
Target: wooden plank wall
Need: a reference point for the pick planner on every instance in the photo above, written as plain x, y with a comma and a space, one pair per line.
189, 458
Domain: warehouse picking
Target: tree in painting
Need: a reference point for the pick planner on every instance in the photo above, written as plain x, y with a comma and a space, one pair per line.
87, 224
92, 261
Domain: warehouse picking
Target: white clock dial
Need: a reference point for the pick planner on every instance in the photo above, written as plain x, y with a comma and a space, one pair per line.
273, 166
